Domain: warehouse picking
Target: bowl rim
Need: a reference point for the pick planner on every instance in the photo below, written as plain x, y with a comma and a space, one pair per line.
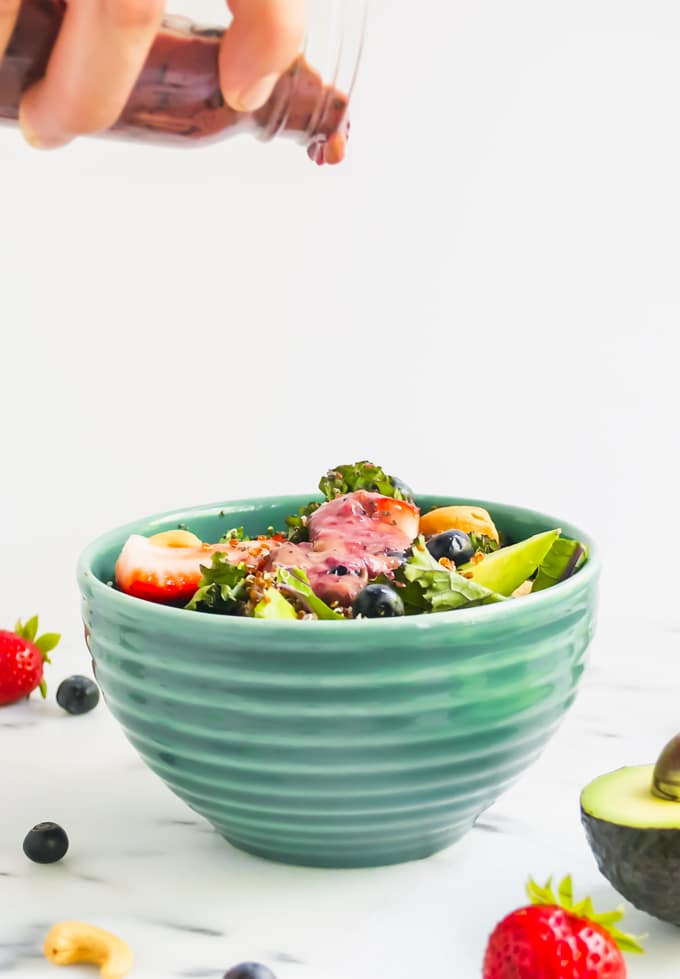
585, 578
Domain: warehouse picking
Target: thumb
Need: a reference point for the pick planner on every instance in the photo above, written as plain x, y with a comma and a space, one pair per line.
262, 42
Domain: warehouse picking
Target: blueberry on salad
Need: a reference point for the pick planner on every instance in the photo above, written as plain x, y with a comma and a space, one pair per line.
377, 602
363, 550
454, 545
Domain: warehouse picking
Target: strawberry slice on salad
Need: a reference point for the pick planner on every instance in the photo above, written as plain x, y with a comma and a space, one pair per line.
166, 569
368, 521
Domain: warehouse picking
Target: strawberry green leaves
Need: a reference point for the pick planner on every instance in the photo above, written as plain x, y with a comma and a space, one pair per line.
28, 631
583, 909
45, 643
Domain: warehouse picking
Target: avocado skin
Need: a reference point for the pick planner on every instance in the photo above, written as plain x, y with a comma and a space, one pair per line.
643, 865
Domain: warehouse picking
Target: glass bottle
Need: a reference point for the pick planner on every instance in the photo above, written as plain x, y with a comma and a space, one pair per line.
178, 99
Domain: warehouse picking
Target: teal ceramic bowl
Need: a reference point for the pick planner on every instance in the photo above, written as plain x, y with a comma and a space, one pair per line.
337, 744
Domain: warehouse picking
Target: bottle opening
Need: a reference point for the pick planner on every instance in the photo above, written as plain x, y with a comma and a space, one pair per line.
312, 100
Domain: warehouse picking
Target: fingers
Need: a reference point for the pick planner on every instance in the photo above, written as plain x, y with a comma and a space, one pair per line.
9, 11
98, 57
261, 43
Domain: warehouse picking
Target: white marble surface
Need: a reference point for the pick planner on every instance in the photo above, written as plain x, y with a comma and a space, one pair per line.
144, 866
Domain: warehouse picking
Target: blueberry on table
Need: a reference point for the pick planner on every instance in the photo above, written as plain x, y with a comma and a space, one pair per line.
455, 545
377, 602
46, 843
250, 970
78, 695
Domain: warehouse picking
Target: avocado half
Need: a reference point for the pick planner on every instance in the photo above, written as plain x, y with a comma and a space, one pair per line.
632, 821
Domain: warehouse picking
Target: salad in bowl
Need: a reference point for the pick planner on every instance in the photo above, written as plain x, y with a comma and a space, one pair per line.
253, 674
365, 551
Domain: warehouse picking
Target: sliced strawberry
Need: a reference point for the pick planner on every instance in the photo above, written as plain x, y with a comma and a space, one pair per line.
171, 574
375, 523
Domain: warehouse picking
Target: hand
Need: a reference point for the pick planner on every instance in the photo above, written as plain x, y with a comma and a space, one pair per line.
102, 48
260, 45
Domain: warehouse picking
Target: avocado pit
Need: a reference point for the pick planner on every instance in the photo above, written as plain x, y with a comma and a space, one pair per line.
666, 779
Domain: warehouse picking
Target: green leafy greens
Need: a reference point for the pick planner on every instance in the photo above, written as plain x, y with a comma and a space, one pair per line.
222, 587
297, 523
563, 560
295, 584
237, 533
482, 543
362, 476
430, 587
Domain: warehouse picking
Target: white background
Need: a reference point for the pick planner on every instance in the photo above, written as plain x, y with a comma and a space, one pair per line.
484, 299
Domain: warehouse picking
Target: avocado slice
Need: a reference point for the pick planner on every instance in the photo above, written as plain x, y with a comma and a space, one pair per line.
635, 837
505, 570
274, 606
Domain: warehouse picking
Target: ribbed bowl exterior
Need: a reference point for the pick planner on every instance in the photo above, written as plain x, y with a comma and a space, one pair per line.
337, 744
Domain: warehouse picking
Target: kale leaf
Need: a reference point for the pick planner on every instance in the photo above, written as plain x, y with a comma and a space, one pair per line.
297, 523
362, 476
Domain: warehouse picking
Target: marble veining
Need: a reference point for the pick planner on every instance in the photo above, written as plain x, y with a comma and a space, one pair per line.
144, 866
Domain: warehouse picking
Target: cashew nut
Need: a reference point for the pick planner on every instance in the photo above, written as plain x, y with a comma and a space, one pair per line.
175, 538
74, 941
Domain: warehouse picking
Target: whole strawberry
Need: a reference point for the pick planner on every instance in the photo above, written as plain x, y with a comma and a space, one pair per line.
554, 938
22, 661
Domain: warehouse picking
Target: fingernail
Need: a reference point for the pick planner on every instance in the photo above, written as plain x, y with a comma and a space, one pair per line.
254, 96
27, 130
